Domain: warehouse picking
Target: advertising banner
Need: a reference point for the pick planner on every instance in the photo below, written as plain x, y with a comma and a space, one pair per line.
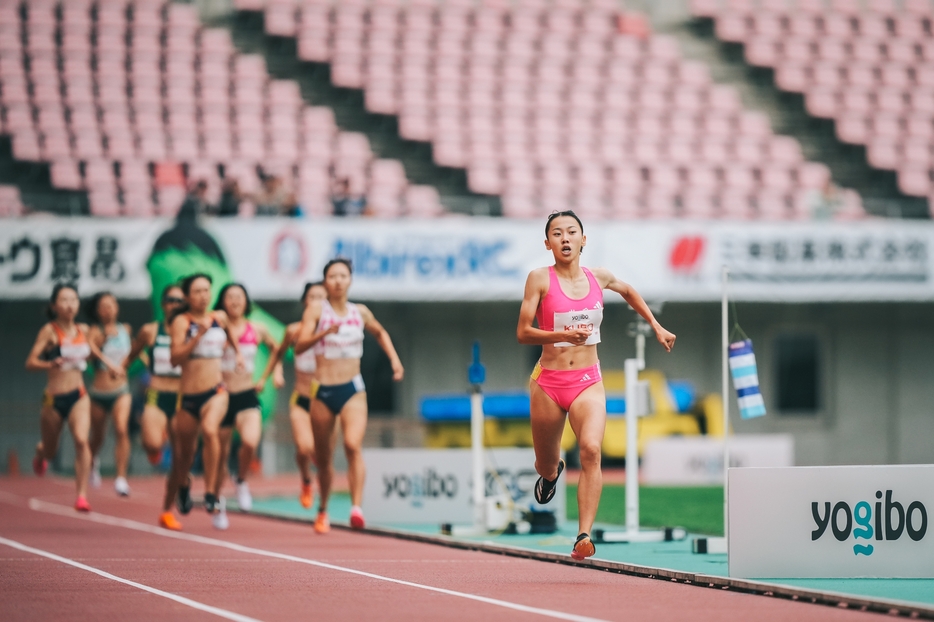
832, 522
433, 486
698, 460
476, 259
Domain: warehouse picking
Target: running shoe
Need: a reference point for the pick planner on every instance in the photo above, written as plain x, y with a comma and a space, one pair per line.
183, 499
40, 465
356, 517
82, 505
168, 520
545, 488
154, 458
307, 496
583, 547
219, 519
244, 498
211, 503
322, 524
122, 487
94, 479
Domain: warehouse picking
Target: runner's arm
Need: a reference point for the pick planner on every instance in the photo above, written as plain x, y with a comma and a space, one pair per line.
144, 339
180, 351
116, 370
33, 361
307, 337
526, 333
376, 329
270, 342
276, 356
635, 300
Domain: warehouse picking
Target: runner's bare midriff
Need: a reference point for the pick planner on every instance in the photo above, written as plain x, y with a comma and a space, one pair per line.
200, 375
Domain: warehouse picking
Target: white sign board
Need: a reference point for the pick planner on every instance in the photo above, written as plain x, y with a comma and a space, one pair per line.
832, 522
478, 258
433, 486
698, 460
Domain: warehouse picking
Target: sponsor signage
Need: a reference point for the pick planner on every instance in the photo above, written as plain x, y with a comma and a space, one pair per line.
434, 486
479, 258
832, 522
698, 460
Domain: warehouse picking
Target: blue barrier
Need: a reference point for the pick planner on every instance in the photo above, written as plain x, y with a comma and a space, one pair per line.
515, 404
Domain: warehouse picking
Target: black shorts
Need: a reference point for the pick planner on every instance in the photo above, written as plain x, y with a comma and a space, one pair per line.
302, 401
335, 396
192, 403
166, 401
63, 402
245, 400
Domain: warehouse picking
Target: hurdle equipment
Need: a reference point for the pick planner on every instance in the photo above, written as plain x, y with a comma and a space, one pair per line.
637, 405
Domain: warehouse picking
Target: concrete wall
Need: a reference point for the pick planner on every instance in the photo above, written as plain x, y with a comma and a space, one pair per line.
877, 397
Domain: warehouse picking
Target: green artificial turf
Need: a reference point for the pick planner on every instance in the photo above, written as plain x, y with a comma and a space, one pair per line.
697, 509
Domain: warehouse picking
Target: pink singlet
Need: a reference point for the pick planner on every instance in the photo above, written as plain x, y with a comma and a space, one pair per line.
248, 342
556, 310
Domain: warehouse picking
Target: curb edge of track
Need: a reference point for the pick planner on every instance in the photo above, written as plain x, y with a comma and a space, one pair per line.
746, 586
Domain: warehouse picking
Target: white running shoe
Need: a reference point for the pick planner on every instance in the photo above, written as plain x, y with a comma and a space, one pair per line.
244, 498
122, 487
219, 519
94, 479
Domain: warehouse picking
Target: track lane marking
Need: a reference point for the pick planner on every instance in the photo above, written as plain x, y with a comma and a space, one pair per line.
61, 510
222, 613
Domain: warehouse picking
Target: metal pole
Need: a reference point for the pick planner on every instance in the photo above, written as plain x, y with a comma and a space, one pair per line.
476, 447
631, 368
725, 389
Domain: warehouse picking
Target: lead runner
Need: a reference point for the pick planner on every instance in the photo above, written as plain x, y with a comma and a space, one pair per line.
566, 300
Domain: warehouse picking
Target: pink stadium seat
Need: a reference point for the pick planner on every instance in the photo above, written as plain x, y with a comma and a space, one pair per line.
813, 175
914, 180
883, 153
65, 174
822, 102
852, 128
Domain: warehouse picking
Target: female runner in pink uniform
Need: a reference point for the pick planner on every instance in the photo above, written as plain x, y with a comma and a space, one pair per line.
567, 301
243, 410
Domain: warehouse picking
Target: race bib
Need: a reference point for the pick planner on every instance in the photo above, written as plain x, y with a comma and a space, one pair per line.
588, 319
162, 362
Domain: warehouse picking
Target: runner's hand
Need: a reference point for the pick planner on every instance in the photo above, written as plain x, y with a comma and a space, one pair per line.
577, 336
333, 329
261, 384
666, 338
57, 362
278, 379
397, 371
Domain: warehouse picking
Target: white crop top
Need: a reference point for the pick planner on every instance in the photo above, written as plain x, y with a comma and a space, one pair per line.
347, 343
212, 342
307, 361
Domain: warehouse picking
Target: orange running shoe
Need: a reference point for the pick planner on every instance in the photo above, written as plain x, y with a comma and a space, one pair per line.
39, 465
322, 524
307, 496
356, 517
154, 458
583, 547
168, 520
82, 505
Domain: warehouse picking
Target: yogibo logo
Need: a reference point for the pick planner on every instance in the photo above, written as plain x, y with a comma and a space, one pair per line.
883, 520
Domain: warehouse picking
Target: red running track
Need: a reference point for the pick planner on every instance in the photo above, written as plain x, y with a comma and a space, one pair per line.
268, 570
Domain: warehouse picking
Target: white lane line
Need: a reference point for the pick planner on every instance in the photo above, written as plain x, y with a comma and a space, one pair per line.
54, 508
222, 613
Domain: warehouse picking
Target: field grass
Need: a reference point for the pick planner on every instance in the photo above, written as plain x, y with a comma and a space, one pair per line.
697, 509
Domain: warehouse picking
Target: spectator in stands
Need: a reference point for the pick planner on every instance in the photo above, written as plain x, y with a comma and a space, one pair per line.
195, 202
345, 202
231, 197
275, 199
825, 202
